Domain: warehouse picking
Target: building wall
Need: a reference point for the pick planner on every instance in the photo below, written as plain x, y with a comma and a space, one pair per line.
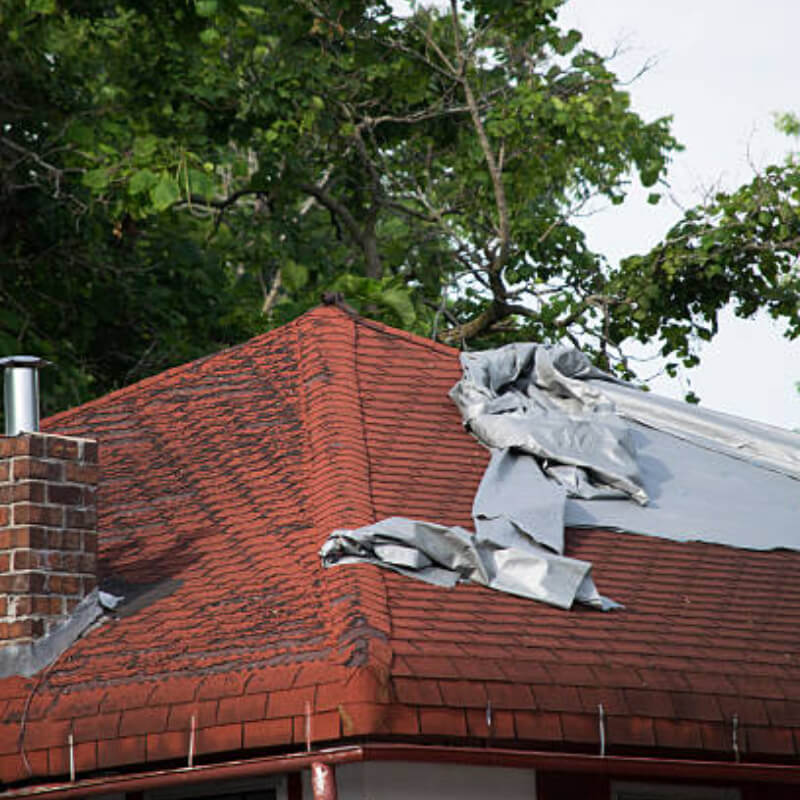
401, 780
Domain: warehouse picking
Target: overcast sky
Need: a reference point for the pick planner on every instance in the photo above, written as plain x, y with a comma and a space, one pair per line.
722, 68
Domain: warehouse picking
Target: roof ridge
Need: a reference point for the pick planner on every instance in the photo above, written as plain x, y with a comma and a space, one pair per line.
170, 372
408, 336
261, 338
336, 462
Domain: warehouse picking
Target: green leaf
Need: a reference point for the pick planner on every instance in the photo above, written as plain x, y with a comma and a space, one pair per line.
201, 183
42, 6
206, 8
96, 179
399, 301
210, 36
142, 181
653, 198
294, 275
164, 193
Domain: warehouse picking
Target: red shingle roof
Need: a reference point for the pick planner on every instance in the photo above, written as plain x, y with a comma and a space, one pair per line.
220, 481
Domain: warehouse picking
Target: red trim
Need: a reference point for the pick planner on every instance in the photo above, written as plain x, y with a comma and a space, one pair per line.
608, 766
187, 776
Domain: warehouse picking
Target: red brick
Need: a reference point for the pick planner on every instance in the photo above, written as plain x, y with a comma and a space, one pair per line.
85, 519
30, 491
24, 629
242, 708
442, 722
34, 469
90, 452
143, 720
65, 449
268, 733
121, 751
220, 738
90, 542
38, 514
64, 494
81, 473
29, 444
4, 470
71, 540
26, 536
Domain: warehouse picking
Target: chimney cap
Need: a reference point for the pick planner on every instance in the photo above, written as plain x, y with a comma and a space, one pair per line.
24, 361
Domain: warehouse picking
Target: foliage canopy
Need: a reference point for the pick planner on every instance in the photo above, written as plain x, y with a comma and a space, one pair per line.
181, 175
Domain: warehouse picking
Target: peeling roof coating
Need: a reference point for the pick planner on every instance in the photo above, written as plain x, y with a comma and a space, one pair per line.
222, 478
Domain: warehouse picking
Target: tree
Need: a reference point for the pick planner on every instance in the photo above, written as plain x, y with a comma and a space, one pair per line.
430, 167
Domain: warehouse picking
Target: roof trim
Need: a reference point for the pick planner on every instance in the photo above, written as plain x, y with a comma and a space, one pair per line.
611, 766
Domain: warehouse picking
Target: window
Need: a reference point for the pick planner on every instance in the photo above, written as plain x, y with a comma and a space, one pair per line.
663, 791
272, 787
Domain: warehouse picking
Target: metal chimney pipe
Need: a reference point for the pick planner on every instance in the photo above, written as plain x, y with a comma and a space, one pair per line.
21, 395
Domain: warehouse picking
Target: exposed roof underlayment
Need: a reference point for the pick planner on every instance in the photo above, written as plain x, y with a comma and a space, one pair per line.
573, 446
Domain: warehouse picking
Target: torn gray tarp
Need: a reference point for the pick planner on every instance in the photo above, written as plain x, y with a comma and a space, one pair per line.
445, 556
574, 446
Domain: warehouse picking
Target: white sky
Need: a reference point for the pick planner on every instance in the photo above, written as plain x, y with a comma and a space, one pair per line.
722, 69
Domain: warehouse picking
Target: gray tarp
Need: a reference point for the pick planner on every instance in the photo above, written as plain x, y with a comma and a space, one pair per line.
573, 446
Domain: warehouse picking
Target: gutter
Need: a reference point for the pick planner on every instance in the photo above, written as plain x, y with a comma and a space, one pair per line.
611, 766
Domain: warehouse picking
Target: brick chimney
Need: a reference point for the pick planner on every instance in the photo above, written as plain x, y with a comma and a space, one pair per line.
48, 531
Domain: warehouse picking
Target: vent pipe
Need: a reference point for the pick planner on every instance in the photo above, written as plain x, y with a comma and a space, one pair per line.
21, 394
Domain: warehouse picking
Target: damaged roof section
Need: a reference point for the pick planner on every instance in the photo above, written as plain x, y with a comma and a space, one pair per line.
572, 445
223, 478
